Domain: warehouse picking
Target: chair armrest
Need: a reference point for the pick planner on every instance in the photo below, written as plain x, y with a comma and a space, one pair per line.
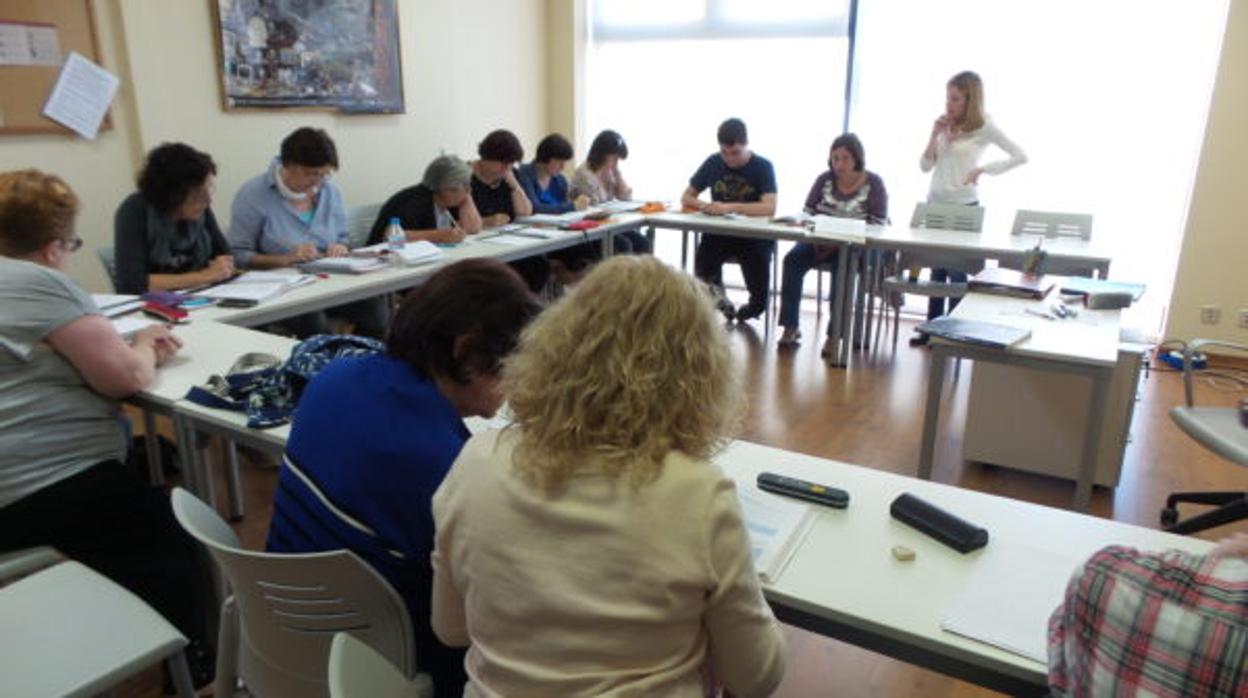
1191, 349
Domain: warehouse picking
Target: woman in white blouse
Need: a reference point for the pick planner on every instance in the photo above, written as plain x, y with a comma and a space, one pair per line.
959, 139
590, 548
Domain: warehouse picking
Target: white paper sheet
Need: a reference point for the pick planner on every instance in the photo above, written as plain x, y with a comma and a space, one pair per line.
81, 96
113, 304
1014, 590
776, 526
130, 324
29, 43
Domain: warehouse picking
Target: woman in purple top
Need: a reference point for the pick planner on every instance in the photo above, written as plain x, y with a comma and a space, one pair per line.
847, 190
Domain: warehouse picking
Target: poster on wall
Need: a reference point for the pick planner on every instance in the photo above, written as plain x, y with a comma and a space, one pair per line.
330, 54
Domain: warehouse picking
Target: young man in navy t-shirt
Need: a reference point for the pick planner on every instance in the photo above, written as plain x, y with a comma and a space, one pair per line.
744, 183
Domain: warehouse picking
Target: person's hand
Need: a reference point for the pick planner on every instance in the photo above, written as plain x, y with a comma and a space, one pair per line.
336, 250
509, 176
303, 253
581, 202
448, 236
715, 208
219, 269
1234, 546
972, 177
164, 343
941, 125
495, 220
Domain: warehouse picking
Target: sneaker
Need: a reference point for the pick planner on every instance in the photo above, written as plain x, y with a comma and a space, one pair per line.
791, 337
919, 340
749, 311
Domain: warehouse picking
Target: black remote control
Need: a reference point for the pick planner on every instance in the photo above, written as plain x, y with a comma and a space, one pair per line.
801, 489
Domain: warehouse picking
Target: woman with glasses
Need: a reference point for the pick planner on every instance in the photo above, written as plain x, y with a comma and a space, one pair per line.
293, 213
165, 236
63, 369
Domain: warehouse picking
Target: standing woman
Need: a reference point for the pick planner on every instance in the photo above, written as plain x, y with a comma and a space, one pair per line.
165, 236
958, 141
847, 190
599, 178
63, 369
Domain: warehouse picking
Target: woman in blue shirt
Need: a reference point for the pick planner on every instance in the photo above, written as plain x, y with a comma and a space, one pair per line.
374, 436
543, 182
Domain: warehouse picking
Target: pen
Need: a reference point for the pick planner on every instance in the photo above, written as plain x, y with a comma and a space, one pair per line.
1037, 313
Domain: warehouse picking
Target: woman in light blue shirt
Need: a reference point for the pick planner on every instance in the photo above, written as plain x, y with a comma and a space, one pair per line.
293, 213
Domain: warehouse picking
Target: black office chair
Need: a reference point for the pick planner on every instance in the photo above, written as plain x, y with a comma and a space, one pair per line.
1222, 430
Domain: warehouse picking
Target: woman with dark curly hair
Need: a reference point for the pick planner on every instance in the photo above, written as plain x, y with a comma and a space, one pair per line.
164, 235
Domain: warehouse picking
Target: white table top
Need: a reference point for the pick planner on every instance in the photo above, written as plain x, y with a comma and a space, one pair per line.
992, 243
208, 348
844, 571
1089, 338
759, 227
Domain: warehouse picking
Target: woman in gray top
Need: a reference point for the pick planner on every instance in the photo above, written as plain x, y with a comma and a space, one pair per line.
165, 236
62, 369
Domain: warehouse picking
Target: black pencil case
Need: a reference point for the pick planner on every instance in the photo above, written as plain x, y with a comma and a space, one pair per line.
959, 534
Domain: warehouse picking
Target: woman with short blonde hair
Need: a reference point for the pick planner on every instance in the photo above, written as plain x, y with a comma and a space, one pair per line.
590, 548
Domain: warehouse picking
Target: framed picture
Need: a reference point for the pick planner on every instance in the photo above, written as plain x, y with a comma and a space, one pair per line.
326, 54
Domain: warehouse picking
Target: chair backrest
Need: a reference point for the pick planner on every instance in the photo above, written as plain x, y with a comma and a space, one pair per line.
948, 217
290, 607
108, 261
356, 670
1053, 225
360, 221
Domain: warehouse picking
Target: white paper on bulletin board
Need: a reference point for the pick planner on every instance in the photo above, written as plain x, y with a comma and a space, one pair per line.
81, 95
29, 43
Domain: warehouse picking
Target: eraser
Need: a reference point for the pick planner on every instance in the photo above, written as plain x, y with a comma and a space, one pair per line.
903, 553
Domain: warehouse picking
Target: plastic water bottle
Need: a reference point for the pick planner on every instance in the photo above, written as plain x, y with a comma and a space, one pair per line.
396, 239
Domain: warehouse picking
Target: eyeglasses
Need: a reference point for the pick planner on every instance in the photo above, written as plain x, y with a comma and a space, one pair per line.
71, 245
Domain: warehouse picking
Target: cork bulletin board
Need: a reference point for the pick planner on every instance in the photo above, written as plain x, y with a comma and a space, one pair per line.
51, 27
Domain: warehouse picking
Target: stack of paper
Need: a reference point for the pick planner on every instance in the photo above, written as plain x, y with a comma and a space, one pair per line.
130, 324
552, 218
617, 206
776, 526
1012, 592
839, 228
344, 265
417, 252
256, 286
112, 304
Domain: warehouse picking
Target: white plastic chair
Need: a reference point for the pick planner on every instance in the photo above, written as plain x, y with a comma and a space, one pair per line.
107, 258
360, 221
358, 671
70, 631
967, 219
1053, 225
283, 611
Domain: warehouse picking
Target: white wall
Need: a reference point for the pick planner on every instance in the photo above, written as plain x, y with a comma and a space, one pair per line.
1213, 264
469, 66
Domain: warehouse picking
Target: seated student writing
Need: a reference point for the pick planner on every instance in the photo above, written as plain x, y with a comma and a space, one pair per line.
742, 182
373, 437
500, 199
63, 369
294, 213
439, 209
599, 178
165, 236
590, 548
543, 182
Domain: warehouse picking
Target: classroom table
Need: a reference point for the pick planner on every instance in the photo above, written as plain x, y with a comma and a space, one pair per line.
1084, 345
842, 581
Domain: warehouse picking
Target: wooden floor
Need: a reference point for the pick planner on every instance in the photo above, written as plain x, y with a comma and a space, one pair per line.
871, 415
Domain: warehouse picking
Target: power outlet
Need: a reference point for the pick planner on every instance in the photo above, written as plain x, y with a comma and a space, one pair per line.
1243, 318
1210, 315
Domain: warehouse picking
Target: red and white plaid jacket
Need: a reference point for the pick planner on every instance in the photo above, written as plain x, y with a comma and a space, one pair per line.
1152, 624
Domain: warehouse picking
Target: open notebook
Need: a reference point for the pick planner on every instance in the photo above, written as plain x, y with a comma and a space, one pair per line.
776, 526
415, 252
256, 286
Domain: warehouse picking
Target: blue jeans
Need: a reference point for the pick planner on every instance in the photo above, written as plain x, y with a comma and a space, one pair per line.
935, 304
801, 259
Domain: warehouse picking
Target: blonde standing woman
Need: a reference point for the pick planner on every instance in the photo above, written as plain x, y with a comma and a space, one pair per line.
590, 548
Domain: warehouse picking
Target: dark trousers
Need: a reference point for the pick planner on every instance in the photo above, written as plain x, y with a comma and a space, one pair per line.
935, 304
631, 242
801, 259
108, 519
370, 317
754, 256
534, 270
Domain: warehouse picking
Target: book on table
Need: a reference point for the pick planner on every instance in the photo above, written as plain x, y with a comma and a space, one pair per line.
114, 304
345, 265
256, 286
1010, 282
1083, 286
986, 334
414, 252
776, 527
